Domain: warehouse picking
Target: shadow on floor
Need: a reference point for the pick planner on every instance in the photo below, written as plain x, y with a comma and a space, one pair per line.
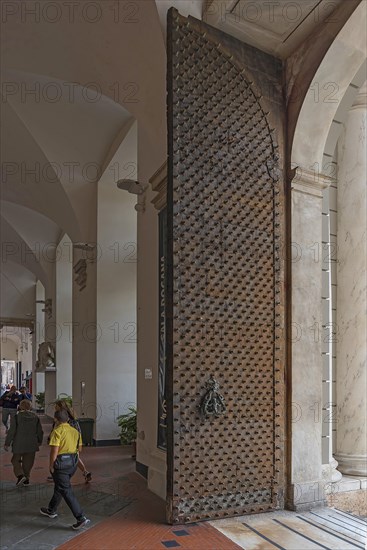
110, 491
23, 526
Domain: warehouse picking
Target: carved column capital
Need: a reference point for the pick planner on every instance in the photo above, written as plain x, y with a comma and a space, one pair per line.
360, 101
310, 182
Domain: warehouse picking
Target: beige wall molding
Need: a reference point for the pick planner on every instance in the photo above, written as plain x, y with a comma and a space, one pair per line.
360, 101
310, 182
15, 322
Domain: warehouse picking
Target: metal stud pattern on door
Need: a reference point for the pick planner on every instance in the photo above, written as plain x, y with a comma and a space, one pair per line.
225, 299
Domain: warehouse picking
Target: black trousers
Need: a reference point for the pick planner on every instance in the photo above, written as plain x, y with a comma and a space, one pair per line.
63, 490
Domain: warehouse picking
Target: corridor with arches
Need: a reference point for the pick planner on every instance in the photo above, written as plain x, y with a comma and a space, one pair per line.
183, 236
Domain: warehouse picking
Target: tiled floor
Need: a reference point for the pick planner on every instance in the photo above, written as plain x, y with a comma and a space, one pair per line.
126, 516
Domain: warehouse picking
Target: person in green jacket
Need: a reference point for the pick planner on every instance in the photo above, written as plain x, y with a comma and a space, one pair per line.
25, 434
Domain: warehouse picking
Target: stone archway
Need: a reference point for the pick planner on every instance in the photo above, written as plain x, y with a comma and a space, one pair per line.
328, 87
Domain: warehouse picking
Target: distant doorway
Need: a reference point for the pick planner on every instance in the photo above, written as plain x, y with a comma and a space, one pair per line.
7, 372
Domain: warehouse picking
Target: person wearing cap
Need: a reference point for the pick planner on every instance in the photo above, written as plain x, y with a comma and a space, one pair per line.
65, 445
25, 435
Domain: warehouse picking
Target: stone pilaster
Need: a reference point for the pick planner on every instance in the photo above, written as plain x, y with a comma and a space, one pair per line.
307, 486
351, 448
50, 335
84, 333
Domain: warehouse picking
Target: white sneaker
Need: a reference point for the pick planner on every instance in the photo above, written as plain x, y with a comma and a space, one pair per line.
21, 480
81, 523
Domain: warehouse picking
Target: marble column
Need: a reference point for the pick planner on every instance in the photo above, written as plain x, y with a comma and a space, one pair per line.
351, 448
307, 487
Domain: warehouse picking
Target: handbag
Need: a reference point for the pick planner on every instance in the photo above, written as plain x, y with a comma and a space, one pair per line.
67, 460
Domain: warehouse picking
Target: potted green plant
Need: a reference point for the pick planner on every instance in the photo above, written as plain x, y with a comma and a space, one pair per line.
128, 428
40, 401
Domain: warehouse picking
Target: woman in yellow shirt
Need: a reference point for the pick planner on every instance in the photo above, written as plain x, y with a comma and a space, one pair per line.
61, 404
65, 445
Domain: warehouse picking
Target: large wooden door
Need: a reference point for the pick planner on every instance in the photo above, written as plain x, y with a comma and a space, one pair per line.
225, 290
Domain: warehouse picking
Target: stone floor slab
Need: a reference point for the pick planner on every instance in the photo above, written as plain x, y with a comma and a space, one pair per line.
322, 528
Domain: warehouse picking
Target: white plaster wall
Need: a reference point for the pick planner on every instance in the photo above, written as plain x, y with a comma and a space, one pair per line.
64, 288
147, 450
8, 349
116, 291
16, 298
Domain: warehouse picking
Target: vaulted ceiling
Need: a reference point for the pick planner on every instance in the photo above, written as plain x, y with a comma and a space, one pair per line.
70, 89
274, 27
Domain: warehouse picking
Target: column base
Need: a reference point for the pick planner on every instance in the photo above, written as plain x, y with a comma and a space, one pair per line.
157, 482
330, 474
352, 465
306, 495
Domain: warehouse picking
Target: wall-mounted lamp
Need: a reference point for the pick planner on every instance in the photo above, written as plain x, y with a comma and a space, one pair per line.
88, 247
135, 188
132, 186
